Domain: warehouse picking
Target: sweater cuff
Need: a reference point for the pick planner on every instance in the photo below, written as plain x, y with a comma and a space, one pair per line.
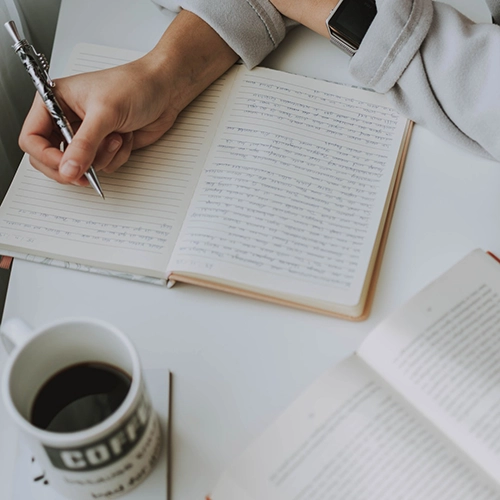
391, 42
251, 28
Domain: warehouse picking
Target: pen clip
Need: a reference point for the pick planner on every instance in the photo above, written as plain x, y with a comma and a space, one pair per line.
44, 67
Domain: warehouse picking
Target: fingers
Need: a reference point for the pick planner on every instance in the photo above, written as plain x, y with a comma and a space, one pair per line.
86, 143
107, 122
113, 152
93, 143
121, 155
39, 139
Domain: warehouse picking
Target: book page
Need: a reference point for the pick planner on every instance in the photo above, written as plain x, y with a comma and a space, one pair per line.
349, 437
442, 351
295, 188
135, 227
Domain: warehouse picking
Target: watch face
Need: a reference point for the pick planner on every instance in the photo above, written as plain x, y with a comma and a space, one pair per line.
351, 20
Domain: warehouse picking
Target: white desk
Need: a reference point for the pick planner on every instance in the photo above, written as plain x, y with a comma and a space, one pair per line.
238, 363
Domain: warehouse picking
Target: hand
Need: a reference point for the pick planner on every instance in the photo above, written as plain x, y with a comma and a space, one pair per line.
131, 106
112, 112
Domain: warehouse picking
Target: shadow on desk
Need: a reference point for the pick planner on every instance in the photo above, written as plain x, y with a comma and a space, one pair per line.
4, 280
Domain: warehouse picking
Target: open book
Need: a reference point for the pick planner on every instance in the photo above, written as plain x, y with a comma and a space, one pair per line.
272, 185
414, 414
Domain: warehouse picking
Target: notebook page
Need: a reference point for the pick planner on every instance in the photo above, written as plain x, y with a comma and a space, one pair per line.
295, 190
135, 228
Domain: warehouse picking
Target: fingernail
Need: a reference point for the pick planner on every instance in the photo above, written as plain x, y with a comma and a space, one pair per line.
114, 145
70, 169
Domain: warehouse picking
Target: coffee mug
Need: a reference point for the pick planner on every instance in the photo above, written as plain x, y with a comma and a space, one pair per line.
76, 392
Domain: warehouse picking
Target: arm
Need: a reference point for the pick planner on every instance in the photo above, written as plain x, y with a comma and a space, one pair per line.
439, 68
127, 107
252, 28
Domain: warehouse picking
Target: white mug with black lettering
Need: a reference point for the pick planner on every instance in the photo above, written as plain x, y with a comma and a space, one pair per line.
76, 392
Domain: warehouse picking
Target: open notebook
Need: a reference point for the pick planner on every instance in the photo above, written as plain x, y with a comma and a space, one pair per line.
272, 185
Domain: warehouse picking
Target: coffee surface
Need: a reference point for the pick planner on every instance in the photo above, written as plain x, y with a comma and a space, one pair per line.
79, 397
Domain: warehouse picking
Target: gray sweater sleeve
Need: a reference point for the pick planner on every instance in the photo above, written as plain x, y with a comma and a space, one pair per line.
437, 67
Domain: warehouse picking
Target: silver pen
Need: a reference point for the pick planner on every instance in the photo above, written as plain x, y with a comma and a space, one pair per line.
37, 67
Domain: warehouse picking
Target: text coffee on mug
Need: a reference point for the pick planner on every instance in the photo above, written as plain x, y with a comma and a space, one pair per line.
76, 392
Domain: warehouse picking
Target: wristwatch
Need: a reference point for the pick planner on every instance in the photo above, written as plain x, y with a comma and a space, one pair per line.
348, 23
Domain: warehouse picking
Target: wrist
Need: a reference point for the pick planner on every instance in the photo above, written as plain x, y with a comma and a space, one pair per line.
310, 13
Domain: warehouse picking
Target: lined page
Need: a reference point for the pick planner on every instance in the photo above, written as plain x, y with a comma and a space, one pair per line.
135, 228
295, 191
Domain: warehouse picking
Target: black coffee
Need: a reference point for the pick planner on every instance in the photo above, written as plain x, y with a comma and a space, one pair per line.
79, 397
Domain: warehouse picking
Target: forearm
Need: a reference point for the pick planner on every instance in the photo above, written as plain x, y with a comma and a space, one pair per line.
252, 28
188, 58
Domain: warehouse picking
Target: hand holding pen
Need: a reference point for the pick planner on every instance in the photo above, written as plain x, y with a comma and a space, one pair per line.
125, 107
37, 67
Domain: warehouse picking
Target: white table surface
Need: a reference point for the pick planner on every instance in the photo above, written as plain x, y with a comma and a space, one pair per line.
237, 363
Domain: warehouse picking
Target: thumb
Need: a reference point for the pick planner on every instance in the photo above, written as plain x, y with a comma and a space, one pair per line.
82, 150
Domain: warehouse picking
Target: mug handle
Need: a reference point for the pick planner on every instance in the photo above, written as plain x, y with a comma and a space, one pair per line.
14, 333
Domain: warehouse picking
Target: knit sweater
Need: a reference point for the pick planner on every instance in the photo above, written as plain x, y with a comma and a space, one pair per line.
437, 67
